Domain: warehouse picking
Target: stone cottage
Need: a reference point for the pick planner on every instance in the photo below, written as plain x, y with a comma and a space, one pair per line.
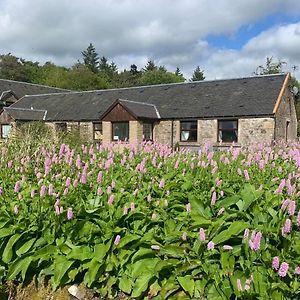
11, 91
222, 112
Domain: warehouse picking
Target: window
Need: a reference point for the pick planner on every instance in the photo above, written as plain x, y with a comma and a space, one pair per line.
5, 130
147, 131
120, 131
62, 127
227, 131
188, 131
97, 129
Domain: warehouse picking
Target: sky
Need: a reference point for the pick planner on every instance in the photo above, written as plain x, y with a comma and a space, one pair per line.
225, 38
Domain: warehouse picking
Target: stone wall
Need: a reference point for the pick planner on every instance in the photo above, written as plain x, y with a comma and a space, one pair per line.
162, 132
135, 132
286, 118
207, 131
86, 130
255, 130
107, 132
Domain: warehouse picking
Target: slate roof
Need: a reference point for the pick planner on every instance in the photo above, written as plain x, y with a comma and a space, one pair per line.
140, 110
20, 89
26, 114
252, 96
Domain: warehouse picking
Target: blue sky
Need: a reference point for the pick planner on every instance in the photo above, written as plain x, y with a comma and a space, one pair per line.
225, 38
239, 38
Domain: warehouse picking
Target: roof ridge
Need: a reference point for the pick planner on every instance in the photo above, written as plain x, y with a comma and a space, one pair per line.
159, 85
33, 84
26, 109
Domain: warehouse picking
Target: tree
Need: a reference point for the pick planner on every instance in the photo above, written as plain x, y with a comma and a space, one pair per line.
12, 68
197, 75
159, 77
133, 69
150, 66
271, 67
91, 58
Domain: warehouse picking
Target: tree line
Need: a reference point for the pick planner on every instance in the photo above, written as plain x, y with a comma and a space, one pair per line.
93, 72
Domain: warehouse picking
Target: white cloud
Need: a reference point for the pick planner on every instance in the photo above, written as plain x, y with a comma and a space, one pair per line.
172, 32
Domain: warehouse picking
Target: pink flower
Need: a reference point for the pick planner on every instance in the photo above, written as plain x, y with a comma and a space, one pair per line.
83, 178
155, 247
162, 183
275, 263
99, 177
188, 207
254, 243
17, 187
50, 189
32, 193
111, 199
287, 227
246, 234
285, 204
292, 208
132, 206
298, 218
246, 174
68, 182
284, 267
227, 247
69, 213
108, 191
210, 245
213, 198
202, 234
297, 270
153, 216
184, 236
221, 211
239, 285
117, 240
99, 191
43, 191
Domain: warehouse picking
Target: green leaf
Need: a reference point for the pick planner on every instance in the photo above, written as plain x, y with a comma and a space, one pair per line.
20, 265
25, 248
125, 284
81, 253
45, 252
141, 285
61, 266
128, 239
142, 252
100, 251
187, 283
5, 232
234, 229
8, 251
172, 251
91, 275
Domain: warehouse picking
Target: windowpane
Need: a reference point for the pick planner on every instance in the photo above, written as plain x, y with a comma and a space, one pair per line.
228, 131
189, 125
147, 131
188, 131
121, 131
5, 129
228, 124
97, 131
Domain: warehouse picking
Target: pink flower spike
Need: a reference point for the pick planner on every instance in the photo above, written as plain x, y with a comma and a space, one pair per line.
239, 285
162, 183
221, 211
292, 208
287, 228
246, 174
117, 240
111, 199
125, 210
275, 263
69, 213
184, 236
246, 234
285, 204
132, 206
17, 187
210, 245
297, 270
298, 218
202, 234
227, 247
284, 267
213, 198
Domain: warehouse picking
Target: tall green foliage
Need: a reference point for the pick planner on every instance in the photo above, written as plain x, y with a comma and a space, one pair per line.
91, 58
